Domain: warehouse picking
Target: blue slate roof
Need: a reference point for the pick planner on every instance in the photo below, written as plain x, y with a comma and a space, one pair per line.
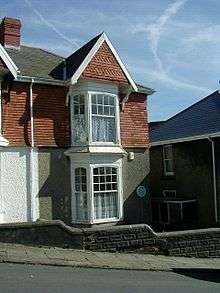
199, 119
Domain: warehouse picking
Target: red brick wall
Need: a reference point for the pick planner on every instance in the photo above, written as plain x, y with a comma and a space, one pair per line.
51, 116
134, 126
10, 32
104, 66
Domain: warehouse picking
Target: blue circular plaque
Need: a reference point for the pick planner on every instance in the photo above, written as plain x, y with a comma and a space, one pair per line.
141, 191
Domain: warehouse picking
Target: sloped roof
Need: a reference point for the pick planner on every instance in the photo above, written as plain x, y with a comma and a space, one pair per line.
75, 60
202, 118
37, 62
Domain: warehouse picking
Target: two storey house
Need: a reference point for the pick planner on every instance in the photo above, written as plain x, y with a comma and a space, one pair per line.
74, 134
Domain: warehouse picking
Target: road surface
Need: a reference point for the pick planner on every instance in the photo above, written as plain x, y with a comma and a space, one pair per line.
18, 278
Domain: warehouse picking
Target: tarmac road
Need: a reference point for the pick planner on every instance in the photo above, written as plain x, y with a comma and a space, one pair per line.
19, 278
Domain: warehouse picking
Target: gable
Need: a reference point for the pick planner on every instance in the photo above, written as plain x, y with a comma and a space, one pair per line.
104, 66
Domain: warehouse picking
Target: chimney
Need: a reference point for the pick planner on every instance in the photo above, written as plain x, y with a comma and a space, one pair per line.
10, 32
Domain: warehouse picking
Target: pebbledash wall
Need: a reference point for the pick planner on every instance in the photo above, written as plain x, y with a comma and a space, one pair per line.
50, 183
15, 194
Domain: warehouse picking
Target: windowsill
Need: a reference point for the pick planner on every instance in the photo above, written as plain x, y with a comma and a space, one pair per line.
98, 222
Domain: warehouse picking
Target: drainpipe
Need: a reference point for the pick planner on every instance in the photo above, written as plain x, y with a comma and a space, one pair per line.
214, 179
32, 199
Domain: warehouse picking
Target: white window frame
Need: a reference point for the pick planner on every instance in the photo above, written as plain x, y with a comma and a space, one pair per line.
90, 194
119, 183
168, 173
117, 119
169, 190
88, 118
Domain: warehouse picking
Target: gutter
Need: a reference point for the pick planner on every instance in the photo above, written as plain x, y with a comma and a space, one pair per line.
214, 179
39, 80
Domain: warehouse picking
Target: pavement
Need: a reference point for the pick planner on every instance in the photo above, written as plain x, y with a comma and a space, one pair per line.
14, 253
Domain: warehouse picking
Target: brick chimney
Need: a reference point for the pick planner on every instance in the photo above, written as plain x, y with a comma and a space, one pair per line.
10, 32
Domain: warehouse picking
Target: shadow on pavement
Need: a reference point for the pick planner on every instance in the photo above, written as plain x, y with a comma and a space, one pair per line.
211, 275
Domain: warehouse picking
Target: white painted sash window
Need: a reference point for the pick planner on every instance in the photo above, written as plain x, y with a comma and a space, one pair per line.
97, 193
95, 119
103, 118
81, 194
105, 193
79, 132
168, 160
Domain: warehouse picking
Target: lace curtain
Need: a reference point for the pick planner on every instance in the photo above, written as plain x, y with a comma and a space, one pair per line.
103, 129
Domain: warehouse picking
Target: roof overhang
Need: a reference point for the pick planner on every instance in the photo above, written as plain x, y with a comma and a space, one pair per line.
8, 62
185, 139
103, 37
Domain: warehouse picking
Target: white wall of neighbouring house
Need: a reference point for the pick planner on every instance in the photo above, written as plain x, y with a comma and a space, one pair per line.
18, 197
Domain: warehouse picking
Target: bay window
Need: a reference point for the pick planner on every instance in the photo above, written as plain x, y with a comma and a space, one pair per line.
95, 119
97, 193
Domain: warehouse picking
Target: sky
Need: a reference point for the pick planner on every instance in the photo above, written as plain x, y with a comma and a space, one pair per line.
170, 46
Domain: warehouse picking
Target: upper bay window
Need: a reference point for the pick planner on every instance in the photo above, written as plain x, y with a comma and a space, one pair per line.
95, 119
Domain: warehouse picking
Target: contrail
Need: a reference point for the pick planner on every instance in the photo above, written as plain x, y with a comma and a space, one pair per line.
154, 33
155, 30
45, 21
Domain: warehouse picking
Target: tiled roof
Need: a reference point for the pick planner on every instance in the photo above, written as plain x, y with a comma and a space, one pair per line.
37, 62
199, 119
75, 60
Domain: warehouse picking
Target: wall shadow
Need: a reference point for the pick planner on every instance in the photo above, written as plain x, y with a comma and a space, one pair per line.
210, 275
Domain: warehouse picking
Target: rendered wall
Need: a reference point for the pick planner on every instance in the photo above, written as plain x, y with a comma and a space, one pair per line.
16, 202
193, 176
54, 184
136, 210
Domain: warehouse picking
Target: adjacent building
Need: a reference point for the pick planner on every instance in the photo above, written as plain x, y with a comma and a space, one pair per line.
74, 134
185, 167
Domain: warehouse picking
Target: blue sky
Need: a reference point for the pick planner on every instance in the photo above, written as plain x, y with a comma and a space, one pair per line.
171, 46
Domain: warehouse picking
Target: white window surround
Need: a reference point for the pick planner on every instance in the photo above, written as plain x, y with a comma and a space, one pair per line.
168, 163
90, 194
88, 118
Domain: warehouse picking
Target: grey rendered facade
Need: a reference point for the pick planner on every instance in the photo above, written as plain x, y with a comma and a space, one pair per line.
55, 185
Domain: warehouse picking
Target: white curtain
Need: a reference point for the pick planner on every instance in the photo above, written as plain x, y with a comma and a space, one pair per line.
103, 129
79, 129
105, 205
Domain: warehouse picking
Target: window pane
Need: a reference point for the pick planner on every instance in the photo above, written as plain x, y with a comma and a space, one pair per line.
79, 121
105, 201
103, 129
103, 126
168, 166
81, 194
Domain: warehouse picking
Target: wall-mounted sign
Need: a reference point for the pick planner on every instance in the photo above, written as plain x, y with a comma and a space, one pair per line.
141, 191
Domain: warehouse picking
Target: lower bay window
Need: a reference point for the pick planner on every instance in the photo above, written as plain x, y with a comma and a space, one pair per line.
97, 193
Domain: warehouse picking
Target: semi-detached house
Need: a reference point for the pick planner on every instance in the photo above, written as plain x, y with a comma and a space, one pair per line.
74, 134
